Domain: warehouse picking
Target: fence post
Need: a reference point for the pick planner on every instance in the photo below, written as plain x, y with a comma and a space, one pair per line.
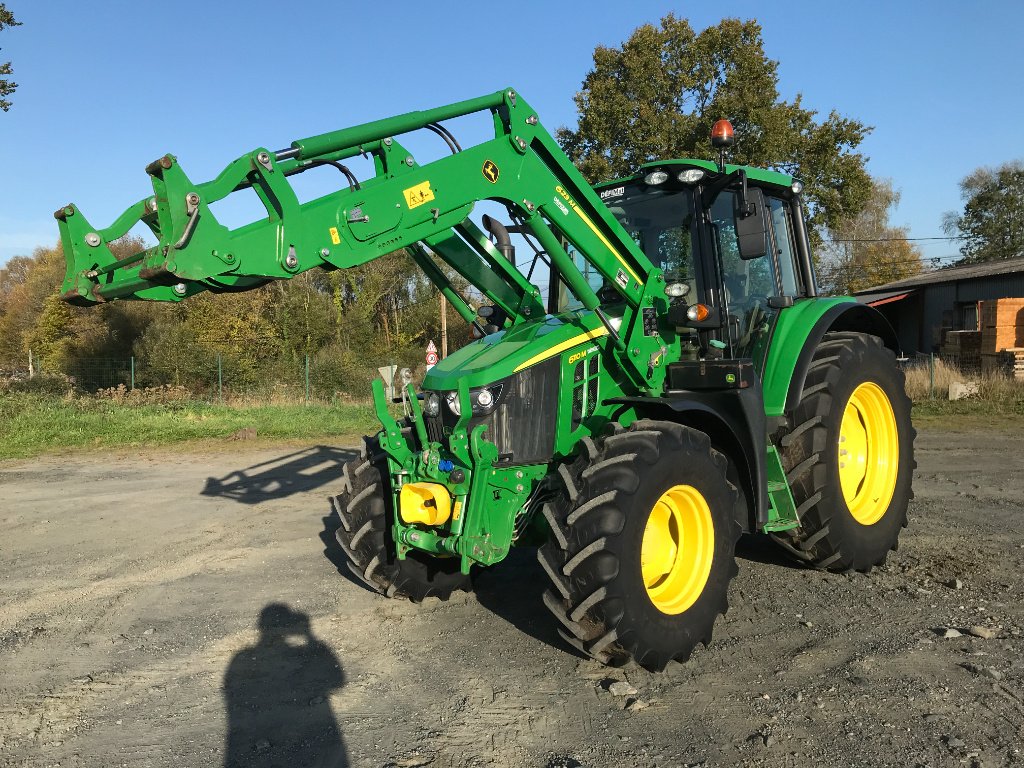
307, 379
931, 376
133, 371
220, 380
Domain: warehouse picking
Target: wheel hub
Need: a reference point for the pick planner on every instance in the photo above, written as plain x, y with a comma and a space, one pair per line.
868, 453
677, 550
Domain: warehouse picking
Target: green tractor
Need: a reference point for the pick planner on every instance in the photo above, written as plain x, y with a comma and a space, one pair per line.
677, 383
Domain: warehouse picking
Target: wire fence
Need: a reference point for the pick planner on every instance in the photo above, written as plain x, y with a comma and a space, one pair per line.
216, 379
309, 379
963, 374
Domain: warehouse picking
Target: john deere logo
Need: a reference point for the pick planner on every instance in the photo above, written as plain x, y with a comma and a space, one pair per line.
490, 171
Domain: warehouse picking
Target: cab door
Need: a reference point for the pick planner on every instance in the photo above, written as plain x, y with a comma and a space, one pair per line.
753, 291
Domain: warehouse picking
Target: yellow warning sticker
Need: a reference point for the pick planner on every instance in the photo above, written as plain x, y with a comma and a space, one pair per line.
457, 511
418, 195
335, 237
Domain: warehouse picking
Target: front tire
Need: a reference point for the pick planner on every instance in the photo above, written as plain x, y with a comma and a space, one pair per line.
365, 511
642, 546
850, 456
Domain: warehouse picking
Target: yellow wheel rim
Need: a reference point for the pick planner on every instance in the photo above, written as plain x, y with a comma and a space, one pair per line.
869, 450
677, 550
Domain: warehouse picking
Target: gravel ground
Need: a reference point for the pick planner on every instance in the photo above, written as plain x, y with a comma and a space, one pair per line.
163, 608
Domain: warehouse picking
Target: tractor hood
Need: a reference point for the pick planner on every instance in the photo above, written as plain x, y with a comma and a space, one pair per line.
502, 354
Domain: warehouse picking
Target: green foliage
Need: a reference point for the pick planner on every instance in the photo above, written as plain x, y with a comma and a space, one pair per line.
864, 250
7, 87
52, 337
53, 385
32, 318
658, 95
348, 324
992, 222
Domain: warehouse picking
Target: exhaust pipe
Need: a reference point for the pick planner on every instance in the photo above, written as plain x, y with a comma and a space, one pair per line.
500, 233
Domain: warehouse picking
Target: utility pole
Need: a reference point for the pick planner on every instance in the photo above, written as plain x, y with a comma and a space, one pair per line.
444, 327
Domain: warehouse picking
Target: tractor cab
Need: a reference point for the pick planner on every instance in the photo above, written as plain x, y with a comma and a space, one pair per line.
741, 260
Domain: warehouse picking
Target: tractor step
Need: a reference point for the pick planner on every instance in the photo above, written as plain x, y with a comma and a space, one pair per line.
782, 515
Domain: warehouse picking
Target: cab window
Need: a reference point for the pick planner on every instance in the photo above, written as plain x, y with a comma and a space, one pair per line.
785, 246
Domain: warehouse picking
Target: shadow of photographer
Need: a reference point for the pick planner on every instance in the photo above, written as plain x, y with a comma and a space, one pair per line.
277, 696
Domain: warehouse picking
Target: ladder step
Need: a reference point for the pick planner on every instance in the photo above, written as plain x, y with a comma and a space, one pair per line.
782, 515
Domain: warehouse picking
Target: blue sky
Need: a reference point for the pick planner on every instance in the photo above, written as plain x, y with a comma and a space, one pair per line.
106, 87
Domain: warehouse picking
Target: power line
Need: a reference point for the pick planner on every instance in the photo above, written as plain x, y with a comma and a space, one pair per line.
895, 239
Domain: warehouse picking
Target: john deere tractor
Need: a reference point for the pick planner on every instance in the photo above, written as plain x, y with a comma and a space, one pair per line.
678, 383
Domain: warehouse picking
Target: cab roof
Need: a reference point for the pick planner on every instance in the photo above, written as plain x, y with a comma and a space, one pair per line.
760, 175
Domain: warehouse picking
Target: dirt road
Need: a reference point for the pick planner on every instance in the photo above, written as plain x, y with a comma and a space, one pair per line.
159, 609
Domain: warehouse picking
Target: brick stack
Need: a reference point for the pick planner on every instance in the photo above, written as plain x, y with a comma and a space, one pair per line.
1002, 337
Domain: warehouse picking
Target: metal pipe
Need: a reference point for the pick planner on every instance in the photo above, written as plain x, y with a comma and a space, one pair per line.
570, 274
361, 134
804, 248
117, 264
500, 233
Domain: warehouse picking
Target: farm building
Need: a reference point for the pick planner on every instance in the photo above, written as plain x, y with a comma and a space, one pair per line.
926, 308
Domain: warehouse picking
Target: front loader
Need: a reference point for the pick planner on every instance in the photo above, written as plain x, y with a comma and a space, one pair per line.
680, 383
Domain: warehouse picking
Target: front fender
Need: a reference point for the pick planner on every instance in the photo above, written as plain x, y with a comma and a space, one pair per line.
734, 420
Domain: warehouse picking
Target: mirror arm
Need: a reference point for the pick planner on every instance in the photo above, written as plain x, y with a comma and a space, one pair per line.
746, 207
715, 188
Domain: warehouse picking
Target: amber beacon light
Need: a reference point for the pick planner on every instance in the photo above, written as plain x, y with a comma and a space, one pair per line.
721, 134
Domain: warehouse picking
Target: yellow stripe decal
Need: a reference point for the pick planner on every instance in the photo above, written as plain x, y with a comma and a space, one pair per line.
568, 344
586, 220
608, 245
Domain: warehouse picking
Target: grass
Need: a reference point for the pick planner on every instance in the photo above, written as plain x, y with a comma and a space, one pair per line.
35, 423
999, 402
31, 425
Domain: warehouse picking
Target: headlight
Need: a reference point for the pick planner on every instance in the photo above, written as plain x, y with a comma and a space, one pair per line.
432, 404
483, 400
656, 177
676, 290
452, 398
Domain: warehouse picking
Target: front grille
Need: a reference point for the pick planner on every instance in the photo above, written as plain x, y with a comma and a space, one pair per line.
435, 428
522, 425
584, 392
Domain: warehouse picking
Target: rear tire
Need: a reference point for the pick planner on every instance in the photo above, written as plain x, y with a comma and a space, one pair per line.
850, 457
365, 511
642, 544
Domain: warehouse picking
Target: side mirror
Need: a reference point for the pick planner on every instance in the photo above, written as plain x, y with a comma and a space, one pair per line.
751, 225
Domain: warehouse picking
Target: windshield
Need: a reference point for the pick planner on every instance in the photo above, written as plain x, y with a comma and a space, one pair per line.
660, 221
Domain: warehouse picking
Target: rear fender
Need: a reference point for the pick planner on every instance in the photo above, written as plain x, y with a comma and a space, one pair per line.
797, 334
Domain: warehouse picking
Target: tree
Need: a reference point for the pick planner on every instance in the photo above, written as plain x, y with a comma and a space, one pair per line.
865, 250
14, 273
22, 302
52, 337
30, 320
6, 86
992, 223
659, 94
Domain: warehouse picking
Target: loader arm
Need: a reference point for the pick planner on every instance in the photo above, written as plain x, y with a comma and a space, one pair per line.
404, 205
